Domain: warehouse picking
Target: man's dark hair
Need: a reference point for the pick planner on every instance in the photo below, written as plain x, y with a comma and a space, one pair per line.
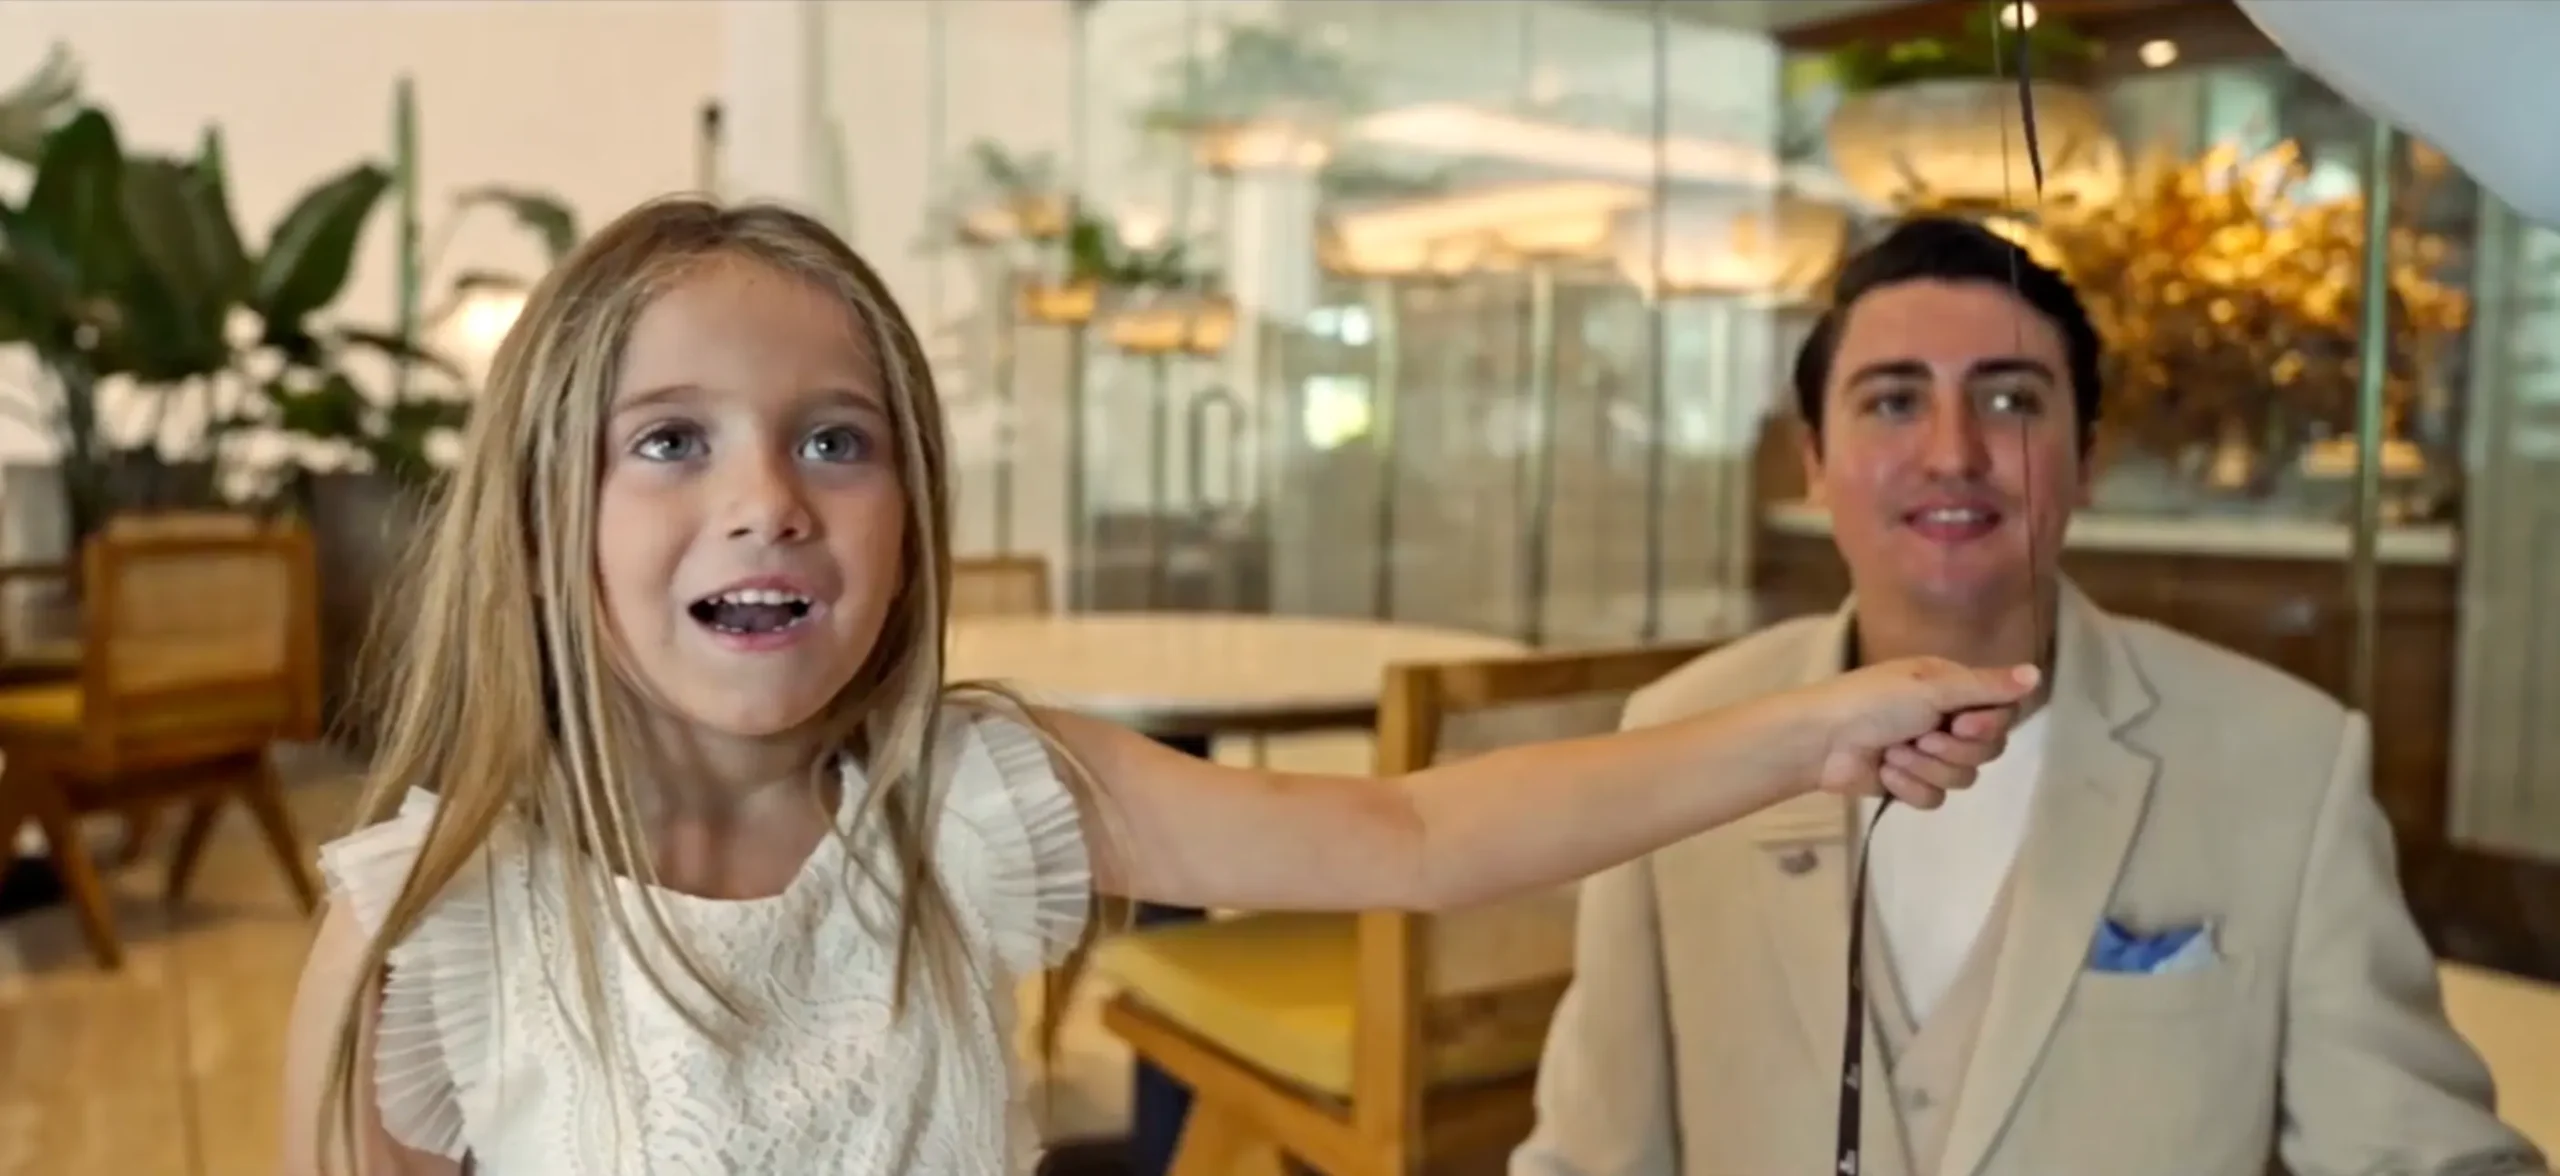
1947, 249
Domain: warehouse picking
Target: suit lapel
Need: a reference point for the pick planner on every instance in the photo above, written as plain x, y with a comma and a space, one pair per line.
2088, 805
1801, 863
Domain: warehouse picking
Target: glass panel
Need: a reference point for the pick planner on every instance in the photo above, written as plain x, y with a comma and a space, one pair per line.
1360, 315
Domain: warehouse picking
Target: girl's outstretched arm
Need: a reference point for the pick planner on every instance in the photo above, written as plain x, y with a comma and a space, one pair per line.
1174, 829
329, 979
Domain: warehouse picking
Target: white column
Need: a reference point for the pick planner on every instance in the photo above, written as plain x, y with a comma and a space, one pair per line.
766, 109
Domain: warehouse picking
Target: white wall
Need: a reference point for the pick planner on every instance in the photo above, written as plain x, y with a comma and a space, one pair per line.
594, 100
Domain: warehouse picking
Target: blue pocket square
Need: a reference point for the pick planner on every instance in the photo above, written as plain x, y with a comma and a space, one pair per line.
2122, 950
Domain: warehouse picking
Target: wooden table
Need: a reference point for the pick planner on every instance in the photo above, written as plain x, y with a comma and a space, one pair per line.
1186, 678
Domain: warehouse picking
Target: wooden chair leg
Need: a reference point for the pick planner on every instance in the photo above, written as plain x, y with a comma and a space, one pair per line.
264, 794
89, 898
202, 816
139, 827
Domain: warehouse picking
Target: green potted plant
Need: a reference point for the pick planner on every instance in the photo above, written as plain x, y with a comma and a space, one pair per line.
132, 268
999, 199
377, 467
1932, 123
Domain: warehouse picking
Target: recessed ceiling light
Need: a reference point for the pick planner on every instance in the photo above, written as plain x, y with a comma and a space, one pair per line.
2158, 53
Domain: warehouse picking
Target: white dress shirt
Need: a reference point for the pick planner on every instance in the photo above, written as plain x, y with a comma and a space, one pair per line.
1933, 875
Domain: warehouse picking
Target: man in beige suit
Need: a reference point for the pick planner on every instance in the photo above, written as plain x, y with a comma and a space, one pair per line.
2162, 936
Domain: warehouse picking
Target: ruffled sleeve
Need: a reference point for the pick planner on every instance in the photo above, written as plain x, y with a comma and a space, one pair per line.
1018, 829
433, 1026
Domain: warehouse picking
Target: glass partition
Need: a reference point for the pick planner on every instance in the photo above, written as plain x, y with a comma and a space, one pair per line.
1359, 308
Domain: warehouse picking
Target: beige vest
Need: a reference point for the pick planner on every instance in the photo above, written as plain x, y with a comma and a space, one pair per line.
1926, 1062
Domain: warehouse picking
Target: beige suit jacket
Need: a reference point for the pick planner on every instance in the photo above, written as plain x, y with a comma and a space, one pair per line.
2184, 785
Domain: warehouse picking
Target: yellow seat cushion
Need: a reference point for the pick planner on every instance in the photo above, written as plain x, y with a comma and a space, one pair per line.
51, 708
1277, 991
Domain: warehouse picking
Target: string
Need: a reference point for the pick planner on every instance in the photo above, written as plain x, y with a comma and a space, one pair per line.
1853, 1021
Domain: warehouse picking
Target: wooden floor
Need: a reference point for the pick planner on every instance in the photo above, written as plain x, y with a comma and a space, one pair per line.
169, 1067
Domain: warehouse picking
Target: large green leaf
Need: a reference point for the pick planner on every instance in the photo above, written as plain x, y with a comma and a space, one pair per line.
213, 204
27, 313
333, 410
179, 298
311, 252
71, 229
540, 213
35, 308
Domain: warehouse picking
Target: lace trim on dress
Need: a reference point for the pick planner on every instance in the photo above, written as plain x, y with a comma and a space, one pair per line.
433, 1029
1030, 844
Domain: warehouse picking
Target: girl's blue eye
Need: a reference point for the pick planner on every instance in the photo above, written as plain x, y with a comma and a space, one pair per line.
836, 443
668, 443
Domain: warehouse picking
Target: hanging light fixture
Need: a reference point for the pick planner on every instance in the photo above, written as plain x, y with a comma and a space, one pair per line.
1069, 303
1951, 145
1030, 216
1210, 325
1192, 322
1354, 255
1282, 140
1782, 246
1492, 228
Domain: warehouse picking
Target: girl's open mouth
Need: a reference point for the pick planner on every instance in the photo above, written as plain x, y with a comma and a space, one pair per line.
752, 612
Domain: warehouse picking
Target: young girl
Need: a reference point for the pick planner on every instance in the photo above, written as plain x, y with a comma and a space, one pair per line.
683, 857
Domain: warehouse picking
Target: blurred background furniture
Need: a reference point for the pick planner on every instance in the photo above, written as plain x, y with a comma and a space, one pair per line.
1377, 1043
199, 653
1186, 679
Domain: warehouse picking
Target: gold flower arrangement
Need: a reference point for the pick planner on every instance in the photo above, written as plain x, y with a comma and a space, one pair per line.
2231, 304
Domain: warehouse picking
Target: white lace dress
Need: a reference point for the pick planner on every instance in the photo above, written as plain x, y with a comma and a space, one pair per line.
483, 1049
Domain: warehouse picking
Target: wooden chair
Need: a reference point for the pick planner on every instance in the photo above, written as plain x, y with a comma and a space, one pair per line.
1370, 1044
58, 660
1000, 586
199, 652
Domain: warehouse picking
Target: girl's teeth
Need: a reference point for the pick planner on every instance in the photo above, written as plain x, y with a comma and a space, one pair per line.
760, 596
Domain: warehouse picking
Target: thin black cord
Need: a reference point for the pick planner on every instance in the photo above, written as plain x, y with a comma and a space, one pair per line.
1853, 1022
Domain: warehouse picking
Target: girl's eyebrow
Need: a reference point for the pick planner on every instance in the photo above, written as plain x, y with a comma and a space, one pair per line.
858, 399
653, 397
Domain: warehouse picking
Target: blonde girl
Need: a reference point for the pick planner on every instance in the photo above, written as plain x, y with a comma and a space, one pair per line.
682, 856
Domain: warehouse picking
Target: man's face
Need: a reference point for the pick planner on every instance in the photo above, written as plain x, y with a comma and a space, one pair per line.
1949, 454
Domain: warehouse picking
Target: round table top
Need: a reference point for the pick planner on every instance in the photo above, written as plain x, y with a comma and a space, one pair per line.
1205, 673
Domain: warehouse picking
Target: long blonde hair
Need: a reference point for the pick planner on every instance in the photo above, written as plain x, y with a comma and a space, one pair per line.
502, 700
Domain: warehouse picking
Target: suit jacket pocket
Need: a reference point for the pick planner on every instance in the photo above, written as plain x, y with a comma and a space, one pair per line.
2157, 1073
2141, 994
